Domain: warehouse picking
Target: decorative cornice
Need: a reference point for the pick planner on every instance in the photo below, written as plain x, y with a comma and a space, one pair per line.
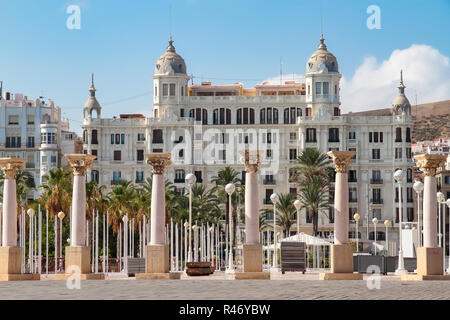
10, 166
341, 160
80, 162
430, 164
252, 160
159, 162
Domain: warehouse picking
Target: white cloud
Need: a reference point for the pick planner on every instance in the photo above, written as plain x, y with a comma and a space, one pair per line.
374, 85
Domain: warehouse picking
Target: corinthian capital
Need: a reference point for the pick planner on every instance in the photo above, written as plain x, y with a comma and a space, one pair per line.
10, 166
252, 160
158, 161
341, 159
80, 162
430, 164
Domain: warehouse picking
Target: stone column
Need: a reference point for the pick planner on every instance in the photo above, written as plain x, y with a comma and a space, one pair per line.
78, 255
10, 253
341, 251
157, 259
252, 249
430, 256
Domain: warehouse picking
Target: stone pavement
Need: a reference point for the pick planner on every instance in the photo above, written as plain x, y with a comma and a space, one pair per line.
217, 287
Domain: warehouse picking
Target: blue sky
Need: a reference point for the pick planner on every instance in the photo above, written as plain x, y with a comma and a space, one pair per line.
222, 41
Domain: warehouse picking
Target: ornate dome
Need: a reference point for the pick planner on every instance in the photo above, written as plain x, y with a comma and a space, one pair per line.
92, 103
170, 62
322, 60
401, 103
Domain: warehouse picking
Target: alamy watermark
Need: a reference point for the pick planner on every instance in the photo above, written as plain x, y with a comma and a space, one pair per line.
74, 280
374, 20
73, 22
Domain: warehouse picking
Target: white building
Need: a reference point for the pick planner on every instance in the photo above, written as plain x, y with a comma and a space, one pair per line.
280, 119
33, 130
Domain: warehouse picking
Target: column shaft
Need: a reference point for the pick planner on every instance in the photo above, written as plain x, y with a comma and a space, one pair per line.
79, 211
429, 212
251, 208
9, 231
341, 219
158, 213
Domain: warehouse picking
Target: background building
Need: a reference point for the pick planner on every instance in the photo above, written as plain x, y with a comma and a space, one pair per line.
33, 130
282, 119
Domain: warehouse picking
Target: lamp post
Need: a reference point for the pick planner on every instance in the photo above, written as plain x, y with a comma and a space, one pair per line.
399, 175
448, 267
125, 243
440, 199
298, 205
190, 179
418, 187
356, 217
30, 213
229, 189
274, 198
387, 223
375, 222
61, 216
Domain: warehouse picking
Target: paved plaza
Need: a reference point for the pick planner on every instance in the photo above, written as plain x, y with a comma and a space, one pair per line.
218, 287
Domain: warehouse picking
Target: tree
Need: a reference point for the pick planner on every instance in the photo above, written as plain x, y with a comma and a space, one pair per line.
314, 198
313, 174
205, 205
285, 212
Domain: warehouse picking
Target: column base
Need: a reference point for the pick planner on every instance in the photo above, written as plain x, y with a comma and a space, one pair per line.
252, 258
79, 256
158, 276
340, 276
19, 277
418, 277
341, 258
157, 259
83, 276
10, 260
430, 261
252, 276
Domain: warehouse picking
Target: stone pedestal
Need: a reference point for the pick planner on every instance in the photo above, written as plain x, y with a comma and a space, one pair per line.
80, 257
429, 265
10, 265
341, 260
252, 263
157, 264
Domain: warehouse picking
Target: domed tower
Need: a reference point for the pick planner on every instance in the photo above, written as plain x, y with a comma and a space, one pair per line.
322, 82
401, 104
92, 103
170, 83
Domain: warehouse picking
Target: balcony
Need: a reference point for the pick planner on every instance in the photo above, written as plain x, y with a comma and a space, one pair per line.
311, 141
352, 179
376, 201
115, 182
178, 180
353, 200
331, 140
30, 165
270, 182
267, 201
376, 181
157, 141
139, 181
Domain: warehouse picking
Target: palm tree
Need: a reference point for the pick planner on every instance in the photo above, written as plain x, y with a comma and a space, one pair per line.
314, 198
225, 176
285, 212
205, 205
312, 163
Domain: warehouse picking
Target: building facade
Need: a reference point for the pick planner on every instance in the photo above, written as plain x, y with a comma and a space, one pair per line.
33, 130
206, 127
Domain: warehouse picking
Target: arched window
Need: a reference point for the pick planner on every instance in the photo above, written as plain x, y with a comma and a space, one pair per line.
228, 113
337, 112
286, 116
275, 116
216, 116
408, 134
239, 116
205, 117
192, 113
409, 175
308, 112
262, 116
95, 176
299, 112
252, 116
85, 137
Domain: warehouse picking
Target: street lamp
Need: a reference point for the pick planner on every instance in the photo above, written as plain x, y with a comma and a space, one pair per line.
375, 222
418, 187
399, 175
30, 213
387, 223
356, 217
229, 189
298, 205
125, 243
274, 198
61, 216
190, 179
440, 199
